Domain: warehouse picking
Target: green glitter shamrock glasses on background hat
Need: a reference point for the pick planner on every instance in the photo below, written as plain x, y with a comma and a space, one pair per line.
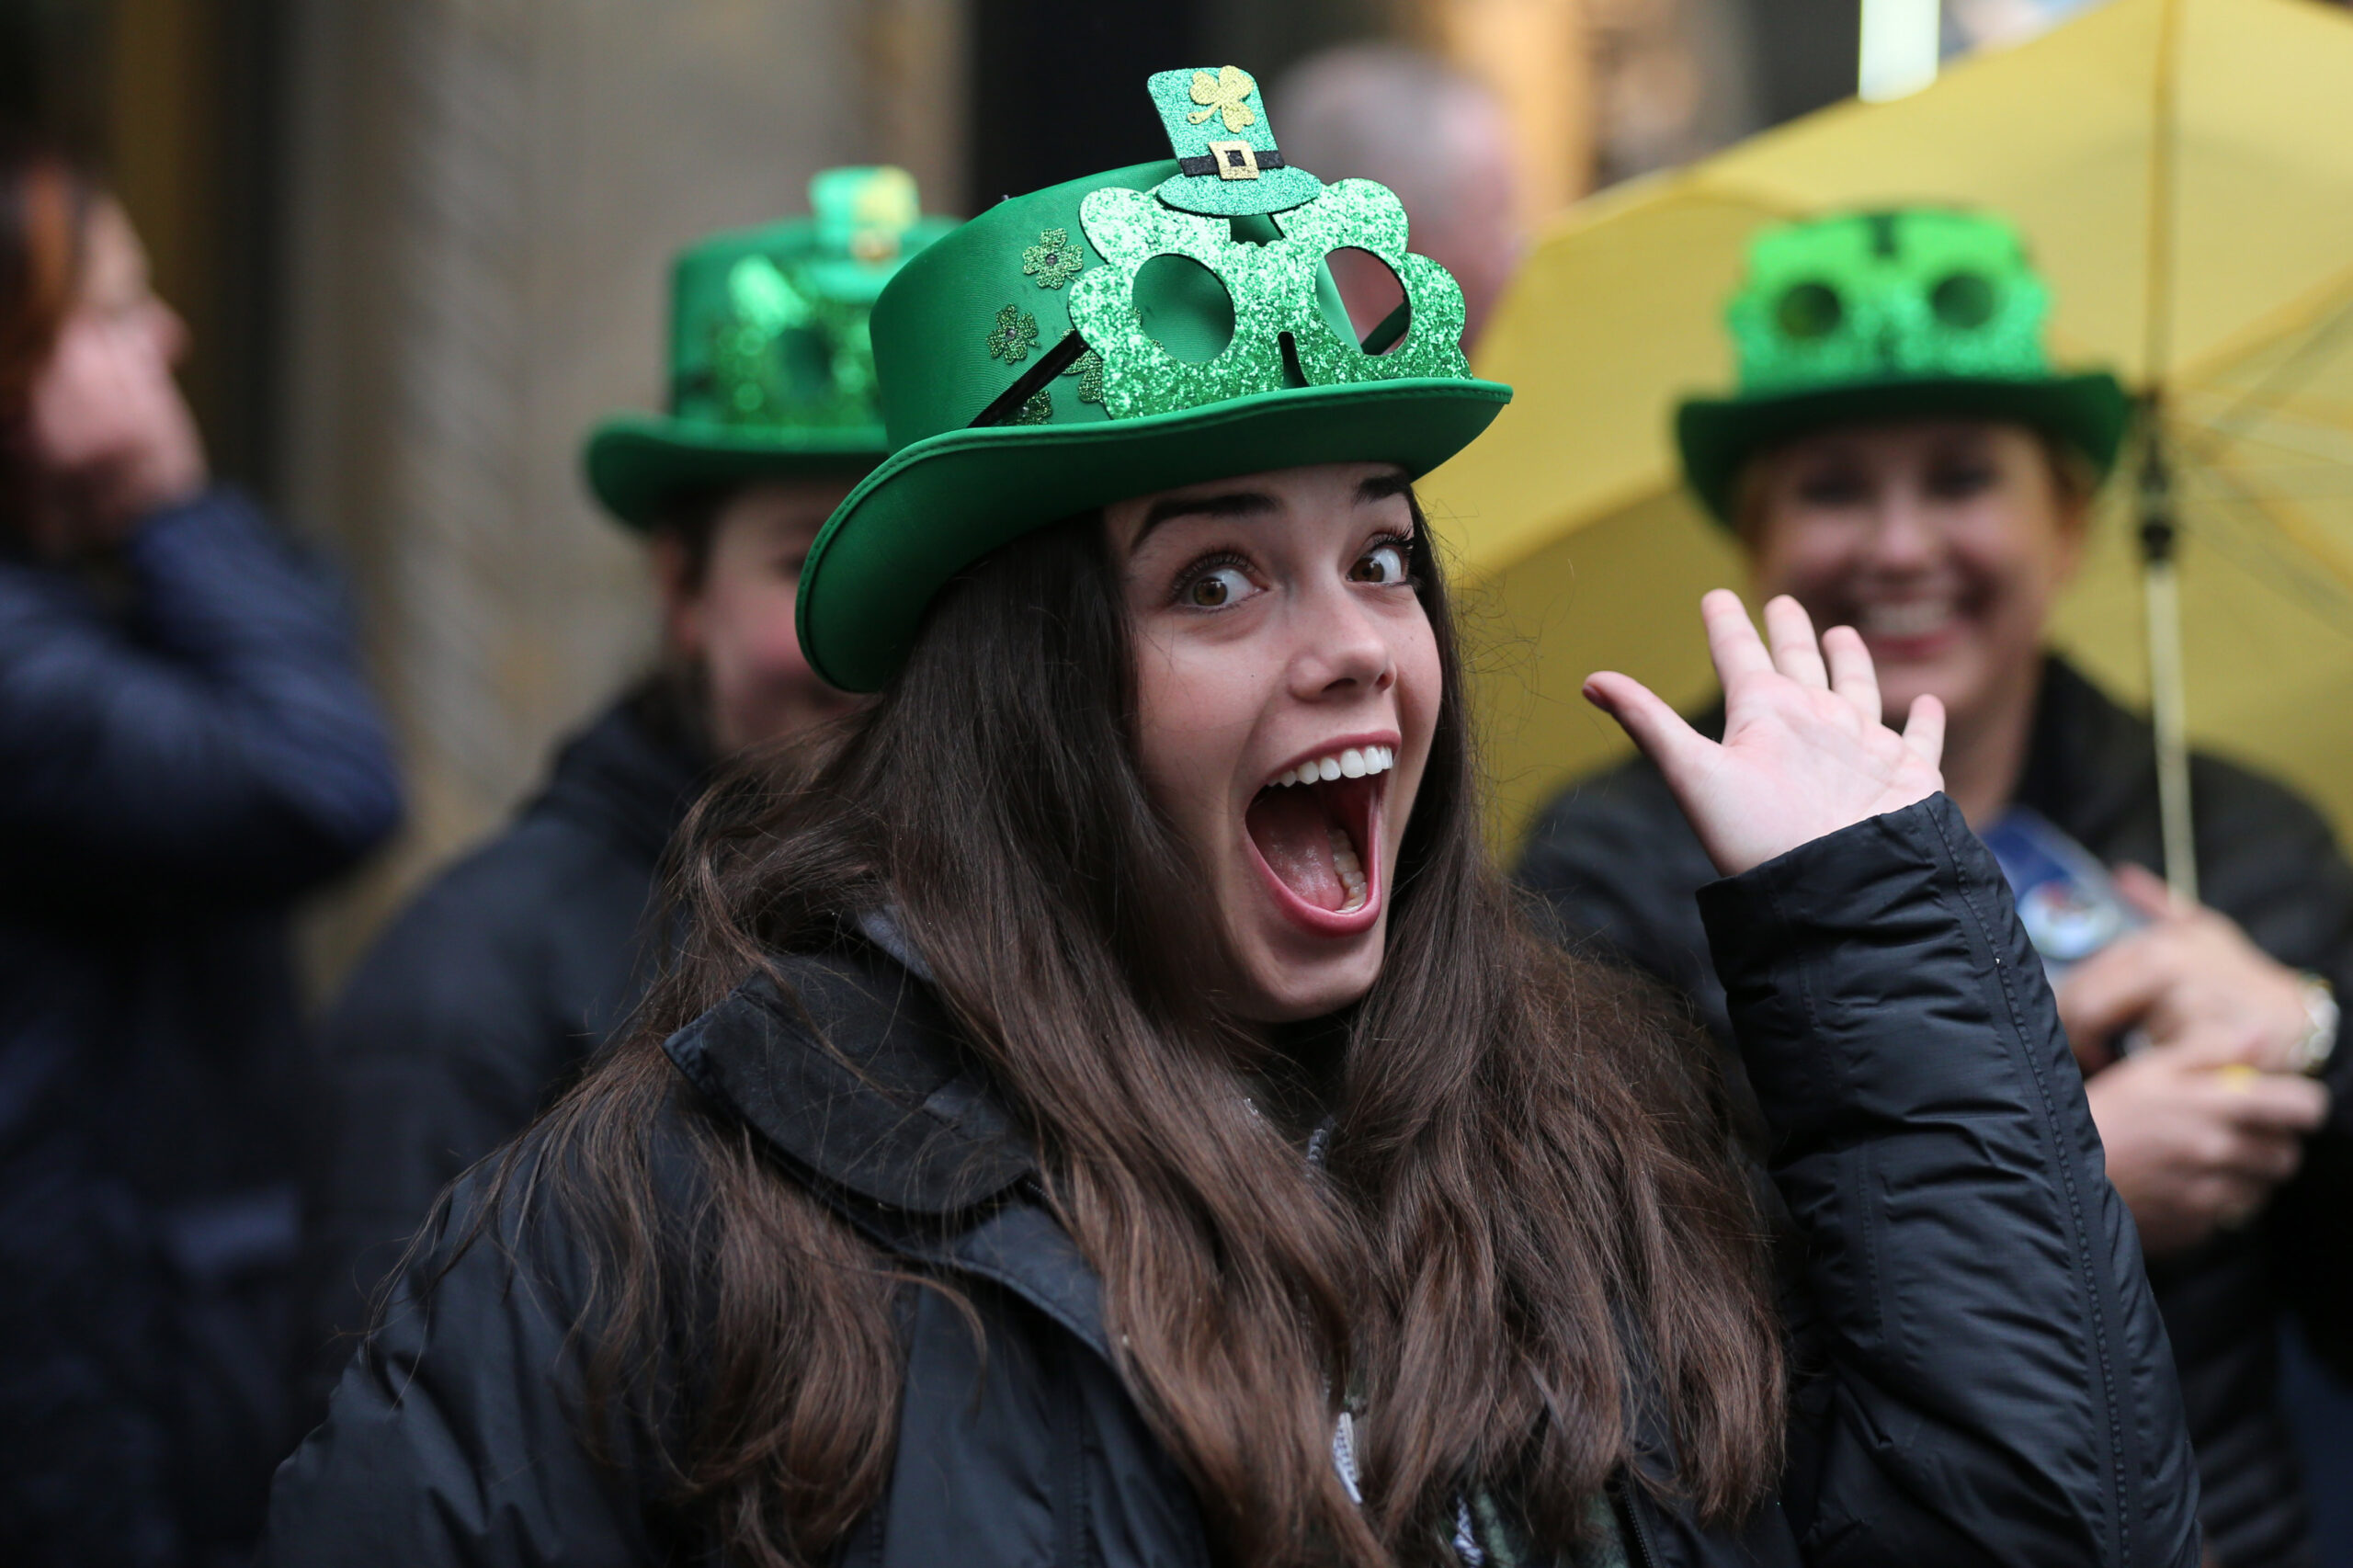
1890, 315
771, 369
1128, 333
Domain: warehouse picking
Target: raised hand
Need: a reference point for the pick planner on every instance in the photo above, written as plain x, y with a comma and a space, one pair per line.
1803, 754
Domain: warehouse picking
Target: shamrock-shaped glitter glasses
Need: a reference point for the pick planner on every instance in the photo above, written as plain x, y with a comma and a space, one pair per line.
1166, 343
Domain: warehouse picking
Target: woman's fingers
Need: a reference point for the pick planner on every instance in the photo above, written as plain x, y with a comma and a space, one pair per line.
1924, 731
2151, 894
1673, 745
1732, 641
1852, 675
1795, 651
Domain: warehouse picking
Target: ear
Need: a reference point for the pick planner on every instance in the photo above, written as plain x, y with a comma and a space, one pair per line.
681, 596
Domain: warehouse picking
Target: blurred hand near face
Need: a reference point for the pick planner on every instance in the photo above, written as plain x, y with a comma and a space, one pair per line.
1803, 754
112, 439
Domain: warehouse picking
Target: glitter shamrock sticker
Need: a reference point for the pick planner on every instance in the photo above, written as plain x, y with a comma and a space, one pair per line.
1272, 291
1225, 95
1039, 410
1054, 260
1014, 334
1088, 369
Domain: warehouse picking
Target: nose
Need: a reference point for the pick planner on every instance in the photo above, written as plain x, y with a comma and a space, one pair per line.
1341, 647
1904, 539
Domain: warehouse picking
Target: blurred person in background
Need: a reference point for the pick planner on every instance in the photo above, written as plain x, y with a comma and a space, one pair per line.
1901, 458
187, 748
485, 995
1435, 136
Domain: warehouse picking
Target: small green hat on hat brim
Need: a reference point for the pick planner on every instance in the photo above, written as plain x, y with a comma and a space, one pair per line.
771, 370
1094, 341
1718, 436
1866, 317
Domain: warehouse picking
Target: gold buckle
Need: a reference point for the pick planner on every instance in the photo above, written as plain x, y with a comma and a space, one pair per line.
1235, 160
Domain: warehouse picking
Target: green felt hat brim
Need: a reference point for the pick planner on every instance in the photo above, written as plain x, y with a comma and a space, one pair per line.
944, 502
1718, 436
636, 463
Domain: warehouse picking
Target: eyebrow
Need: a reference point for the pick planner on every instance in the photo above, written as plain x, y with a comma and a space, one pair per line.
1256, 503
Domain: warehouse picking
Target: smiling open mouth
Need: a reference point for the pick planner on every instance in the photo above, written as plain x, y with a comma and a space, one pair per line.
1313, 826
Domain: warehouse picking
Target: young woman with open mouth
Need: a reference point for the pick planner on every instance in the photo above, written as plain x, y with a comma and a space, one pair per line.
1106, 1108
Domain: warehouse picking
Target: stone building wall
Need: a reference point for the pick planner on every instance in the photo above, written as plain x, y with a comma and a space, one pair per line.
480, 198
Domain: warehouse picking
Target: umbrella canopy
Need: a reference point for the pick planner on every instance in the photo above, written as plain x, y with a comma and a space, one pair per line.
1580, 550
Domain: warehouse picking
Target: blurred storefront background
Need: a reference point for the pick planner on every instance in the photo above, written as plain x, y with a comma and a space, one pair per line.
423, 244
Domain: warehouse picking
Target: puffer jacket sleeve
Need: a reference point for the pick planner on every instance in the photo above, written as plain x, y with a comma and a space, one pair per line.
220, 735
1984, 1378
454, 1437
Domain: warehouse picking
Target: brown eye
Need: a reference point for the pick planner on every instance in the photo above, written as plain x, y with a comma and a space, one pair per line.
1384, 566
1215, 588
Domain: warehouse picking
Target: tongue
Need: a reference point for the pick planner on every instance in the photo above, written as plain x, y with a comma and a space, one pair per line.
1295, 836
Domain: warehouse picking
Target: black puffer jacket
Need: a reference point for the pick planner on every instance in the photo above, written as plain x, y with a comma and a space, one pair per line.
1988, 1385
185, 749
483, 997
1619, 865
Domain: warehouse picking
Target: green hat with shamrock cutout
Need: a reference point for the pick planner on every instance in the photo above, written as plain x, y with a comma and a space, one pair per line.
1127, 333
1874, 317
771, 371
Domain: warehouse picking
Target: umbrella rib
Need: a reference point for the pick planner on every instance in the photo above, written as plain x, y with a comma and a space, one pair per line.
2277, 385
2292, 526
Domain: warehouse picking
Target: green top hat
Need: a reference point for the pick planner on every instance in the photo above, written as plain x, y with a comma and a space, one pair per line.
1890, 315
1149, 327
771, 371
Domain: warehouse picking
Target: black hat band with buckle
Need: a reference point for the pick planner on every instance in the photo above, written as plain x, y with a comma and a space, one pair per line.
1232, 160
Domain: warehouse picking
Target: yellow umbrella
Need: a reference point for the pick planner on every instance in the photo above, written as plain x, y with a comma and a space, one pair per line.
2184, 172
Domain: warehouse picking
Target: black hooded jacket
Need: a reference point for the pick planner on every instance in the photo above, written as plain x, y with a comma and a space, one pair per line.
1620, 865
1985, 1379
482, 998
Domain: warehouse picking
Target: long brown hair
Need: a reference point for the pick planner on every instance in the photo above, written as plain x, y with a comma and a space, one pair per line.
1527, 1222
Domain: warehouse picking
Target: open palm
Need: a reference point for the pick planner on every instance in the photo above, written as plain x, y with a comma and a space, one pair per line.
1803, 754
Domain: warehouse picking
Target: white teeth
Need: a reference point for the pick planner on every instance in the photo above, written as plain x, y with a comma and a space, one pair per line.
1354, 762
1352, 877
1915, 618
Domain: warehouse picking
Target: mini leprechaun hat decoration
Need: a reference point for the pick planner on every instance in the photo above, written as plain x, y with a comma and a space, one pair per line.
771, 368
1111, 336
1874, 317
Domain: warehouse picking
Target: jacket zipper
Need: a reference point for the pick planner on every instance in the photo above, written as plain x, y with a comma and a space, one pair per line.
1630, 1517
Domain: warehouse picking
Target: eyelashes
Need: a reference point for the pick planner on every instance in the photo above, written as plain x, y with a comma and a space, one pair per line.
1193, 587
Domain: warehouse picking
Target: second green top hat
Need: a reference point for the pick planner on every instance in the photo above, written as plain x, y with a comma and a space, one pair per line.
1137, 330
1890, 315
771, 365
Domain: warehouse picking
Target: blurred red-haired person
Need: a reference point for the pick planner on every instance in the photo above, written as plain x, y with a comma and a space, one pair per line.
186, 747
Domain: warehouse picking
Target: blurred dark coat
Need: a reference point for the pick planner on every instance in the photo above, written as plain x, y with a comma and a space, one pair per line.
1929, 1119
184, 750
484, 997
1616, 861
